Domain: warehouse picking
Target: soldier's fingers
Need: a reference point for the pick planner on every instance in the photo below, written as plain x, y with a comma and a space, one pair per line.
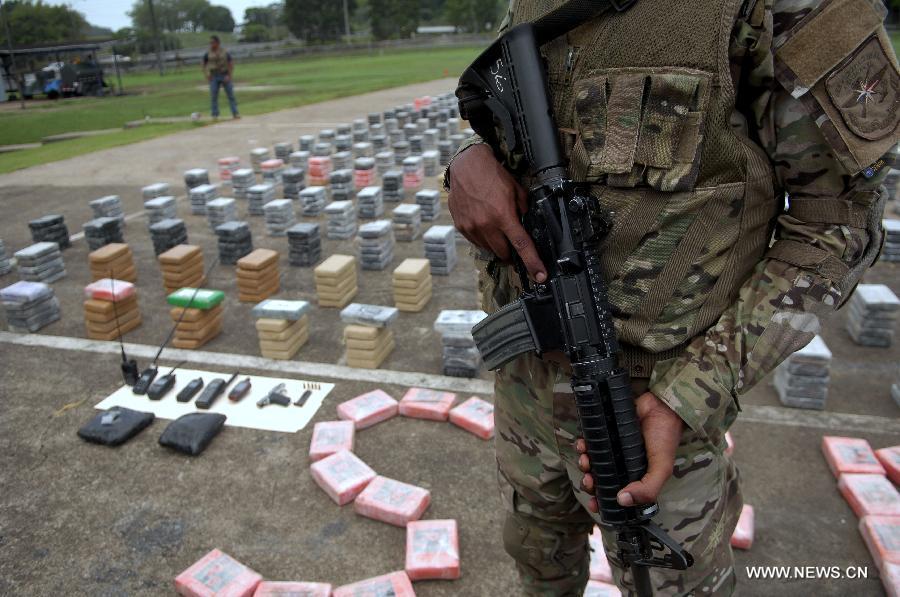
593, 506
521, 198
584, 463
587, 483
524, 246
580, 446
498, 245
647, 489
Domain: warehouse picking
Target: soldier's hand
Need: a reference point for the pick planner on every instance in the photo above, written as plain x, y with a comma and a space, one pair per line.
485, 203
662, 429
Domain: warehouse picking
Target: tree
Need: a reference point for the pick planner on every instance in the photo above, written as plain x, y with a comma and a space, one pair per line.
315, 20
217, 18
181, 15
268, 16
255, 33
33, 22
394, 18
474, 16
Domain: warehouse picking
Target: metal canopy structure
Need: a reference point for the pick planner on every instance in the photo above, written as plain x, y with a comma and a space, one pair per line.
10, 55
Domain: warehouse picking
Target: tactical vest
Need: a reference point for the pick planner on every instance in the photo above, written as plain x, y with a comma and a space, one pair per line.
644, 100
218, 61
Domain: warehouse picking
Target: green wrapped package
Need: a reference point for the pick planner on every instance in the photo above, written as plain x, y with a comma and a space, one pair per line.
205, 298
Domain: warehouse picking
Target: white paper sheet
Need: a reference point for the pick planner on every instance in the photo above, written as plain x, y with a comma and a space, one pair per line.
288, 419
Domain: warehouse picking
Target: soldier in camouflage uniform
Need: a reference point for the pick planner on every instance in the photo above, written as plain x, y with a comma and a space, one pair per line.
692, 122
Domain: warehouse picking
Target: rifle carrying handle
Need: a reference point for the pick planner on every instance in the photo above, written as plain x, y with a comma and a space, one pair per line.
609, 419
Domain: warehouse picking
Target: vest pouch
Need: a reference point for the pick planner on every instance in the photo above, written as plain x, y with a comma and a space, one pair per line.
640, 127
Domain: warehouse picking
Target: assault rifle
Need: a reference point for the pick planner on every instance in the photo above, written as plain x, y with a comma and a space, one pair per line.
504, 96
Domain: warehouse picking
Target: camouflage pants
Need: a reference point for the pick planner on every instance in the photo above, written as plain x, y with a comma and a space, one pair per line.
546, 529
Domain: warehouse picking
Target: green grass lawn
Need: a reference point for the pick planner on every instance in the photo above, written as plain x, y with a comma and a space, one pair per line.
277, 85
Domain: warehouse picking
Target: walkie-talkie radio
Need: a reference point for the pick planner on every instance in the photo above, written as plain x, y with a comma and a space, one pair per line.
162, 385
188, 392
129, 366
215, 389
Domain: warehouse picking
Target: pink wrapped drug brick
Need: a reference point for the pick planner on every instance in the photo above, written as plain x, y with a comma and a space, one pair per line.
432, 550
108, 289
395, 584
392, 502
368, 409
217, 575
742, 538
890, 460
419, 403
600, 569
882, 537
330, 437
292, 589
342, 476
475, 416
869, 494
596, 588
729, 443
850, 455
890, 578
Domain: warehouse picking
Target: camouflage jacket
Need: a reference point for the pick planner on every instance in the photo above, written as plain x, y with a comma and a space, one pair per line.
825, 126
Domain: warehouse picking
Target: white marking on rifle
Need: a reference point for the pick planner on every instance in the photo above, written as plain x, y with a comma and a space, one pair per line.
498, 78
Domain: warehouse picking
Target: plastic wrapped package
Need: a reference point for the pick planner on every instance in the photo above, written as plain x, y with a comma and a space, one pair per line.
392, 501
330, 437
420, 403
600, 569
342, 476
432, 550
368, 409
890, 460
25, 292
109, 290
191, 433
395, 584
850, 455
742, 538
882, 537
196, 299
475, 416
596, 588
870, 494
217, 575
292, 589
115, 426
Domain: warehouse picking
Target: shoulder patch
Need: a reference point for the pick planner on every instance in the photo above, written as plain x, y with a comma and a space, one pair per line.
839, 62
866, 91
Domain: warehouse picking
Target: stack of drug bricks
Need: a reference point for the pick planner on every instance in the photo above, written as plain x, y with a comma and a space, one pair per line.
412, 285
368, 338
873, 315
866, 478
110, 309
40, 262
802, 379
283, 327
336, 281
198, 318
114, 260
257, 276
182, 266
